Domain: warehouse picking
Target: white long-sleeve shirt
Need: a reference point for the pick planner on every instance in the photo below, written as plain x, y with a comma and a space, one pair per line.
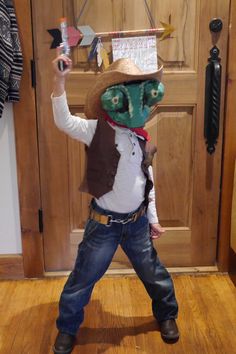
129, 185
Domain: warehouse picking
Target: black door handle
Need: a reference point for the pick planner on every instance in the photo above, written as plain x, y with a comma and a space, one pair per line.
212, 100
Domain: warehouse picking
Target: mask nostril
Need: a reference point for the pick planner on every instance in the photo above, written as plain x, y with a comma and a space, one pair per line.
115, 100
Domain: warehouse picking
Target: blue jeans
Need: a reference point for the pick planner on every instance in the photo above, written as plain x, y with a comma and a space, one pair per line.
95, 254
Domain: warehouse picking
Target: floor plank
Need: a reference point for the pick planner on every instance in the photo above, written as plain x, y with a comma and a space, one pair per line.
118, 320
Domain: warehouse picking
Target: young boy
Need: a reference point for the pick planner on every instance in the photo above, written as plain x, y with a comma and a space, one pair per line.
119, 177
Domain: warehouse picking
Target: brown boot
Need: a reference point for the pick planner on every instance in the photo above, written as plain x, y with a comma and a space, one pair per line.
64, 343
169, 331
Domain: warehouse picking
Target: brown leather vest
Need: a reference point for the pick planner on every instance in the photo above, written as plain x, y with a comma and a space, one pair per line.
103, 159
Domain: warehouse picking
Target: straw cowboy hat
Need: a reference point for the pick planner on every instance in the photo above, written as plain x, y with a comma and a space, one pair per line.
121, 70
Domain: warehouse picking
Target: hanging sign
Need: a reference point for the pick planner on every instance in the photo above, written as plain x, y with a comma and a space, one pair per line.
139, 46
142, 50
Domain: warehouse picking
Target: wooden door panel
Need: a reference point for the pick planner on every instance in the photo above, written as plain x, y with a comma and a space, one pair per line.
180, 88
171, 132
187, 178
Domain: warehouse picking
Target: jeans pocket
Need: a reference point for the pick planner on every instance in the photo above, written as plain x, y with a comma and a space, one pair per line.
142, 224
141, 231
90, 227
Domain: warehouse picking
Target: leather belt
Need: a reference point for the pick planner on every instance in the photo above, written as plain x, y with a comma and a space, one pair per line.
108, 219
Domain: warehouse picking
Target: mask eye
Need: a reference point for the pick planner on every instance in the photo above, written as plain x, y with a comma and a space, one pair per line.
153, 92
114, 100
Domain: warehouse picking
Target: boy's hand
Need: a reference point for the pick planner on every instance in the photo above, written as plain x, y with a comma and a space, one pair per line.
156, 230
60, 76
58, 73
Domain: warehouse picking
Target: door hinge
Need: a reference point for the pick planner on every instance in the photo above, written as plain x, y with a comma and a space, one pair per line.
40, 215
33, 73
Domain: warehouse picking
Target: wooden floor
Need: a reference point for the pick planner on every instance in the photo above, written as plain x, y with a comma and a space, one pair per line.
118, 319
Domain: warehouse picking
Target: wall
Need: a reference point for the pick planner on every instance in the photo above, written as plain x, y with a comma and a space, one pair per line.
233, 216
10, 235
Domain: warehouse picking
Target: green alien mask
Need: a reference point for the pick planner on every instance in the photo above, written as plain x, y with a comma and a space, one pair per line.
130, 103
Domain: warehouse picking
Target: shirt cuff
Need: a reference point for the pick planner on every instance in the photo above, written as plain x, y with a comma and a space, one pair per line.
58, 98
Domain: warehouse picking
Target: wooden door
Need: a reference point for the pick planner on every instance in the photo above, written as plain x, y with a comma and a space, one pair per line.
187, 178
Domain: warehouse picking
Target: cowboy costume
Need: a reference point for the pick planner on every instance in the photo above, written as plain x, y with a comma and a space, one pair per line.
119, 177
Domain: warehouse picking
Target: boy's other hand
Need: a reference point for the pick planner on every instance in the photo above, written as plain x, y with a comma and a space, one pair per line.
156, 230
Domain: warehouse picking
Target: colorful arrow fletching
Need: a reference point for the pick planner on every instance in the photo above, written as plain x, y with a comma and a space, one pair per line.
73, 36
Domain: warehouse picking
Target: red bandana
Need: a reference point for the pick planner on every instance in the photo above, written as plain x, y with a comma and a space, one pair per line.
139, 131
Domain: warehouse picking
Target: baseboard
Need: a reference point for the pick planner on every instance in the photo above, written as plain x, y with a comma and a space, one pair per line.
130, 272
11, 266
